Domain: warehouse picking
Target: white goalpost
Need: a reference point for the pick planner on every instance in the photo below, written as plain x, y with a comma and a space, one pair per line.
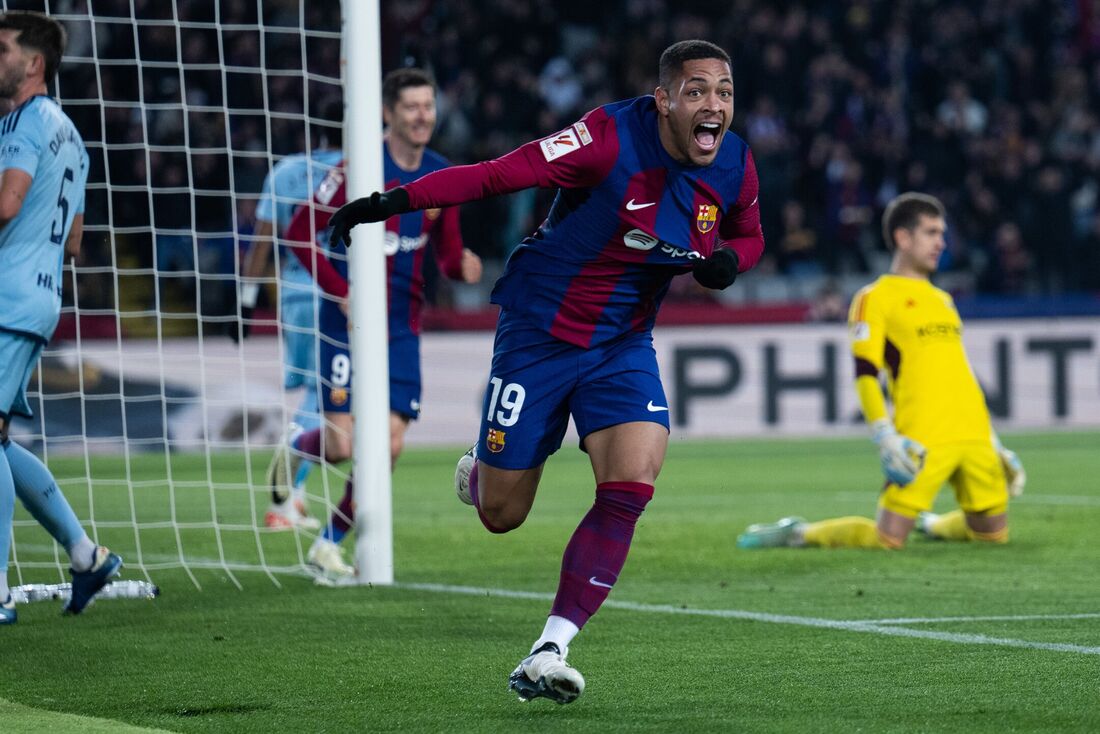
157, 426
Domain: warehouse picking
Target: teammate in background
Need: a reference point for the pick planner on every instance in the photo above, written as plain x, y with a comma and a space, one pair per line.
408, 110
43, 169
290, 184
941, 430
649, 188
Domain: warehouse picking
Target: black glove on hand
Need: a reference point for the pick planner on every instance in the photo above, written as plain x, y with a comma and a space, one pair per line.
378, 207
717, 271
238, 330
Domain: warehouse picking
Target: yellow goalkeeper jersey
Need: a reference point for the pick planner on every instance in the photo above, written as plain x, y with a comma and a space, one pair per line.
911, 328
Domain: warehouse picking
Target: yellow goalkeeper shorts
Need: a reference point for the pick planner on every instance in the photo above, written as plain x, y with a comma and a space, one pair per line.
973, 468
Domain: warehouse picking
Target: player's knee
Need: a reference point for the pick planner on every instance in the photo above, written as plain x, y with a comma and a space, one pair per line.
502, 516
337, 448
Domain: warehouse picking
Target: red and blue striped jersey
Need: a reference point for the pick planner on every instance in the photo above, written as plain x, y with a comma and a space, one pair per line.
626, 219
406, 240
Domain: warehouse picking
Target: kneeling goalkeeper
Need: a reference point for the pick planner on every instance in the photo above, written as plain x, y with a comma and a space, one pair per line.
941, 430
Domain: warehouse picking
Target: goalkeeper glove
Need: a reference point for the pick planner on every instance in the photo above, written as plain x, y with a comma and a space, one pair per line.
902, 457
1015, 475
718, 271
238, 330
378, 207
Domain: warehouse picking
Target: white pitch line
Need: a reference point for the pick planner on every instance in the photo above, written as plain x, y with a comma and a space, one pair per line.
993, 618
837, 624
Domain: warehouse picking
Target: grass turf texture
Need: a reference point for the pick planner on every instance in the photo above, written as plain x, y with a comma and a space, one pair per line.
400, 659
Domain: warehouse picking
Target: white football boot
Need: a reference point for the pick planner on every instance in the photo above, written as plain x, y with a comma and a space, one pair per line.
545, 674
327, 560
462, 475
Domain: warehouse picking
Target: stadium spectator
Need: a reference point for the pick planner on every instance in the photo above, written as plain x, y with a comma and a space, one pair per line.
940, 432
578, 302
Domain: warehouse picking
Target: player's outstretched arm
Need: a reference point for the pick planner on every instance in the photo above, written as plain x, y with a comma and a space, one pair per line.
589, 157
378, 207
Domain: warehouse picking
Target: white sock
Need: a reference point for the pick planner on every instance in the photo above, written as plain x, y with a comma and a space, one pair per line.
82, 554
5, 592
558, 630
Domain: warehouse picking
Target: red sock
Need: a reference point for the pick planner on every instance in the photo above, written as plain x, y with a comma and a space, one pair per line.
344, 514
597, 551
309, 443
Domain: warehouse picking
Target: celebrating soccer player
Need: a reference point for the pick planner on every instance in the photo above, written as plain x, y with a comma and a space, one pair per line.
43, 169
649, 188
941, 430
408, 97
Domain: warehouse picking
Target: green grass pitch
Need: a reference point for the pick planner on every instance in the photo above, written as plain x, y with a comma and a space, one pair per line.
303, 658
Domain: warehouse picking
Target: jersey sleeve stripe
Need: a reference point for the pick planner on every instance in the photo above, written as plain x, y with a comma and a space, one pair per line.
864, 368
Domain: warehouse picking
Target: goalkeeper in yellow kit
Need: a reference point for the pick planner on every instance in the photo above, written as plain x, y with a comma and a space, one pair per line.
941, 431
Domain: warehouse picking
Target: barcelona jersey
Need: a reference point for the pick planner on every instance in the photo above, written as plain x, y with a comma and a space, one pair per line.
626, 219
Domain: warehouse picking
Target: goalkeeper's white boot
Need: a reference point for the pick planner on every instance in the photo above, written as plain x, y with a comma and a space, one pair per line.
545, 674
327, 559
462, 475
784, 533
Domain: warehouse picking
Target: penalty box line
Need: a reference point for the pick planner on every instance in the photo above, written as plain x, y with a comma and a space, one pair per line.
867, 627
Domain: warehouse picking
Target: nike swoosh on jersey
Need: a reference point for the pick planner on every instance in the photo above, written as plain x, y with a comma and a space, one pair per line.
632, 207
594, 582
655, 408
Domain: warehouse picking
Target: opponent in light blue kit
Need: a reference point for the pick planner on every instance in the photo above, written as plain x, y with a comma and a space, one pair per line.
43, 169
290, 184
648, 188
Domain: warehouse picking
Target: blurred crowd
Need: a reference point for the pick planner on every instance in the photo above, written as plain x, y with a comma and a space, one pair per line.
993, 105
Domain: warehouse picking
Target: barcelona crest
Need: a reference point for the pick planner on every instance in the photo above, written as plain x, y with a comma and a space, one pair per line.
494, 441
708, 215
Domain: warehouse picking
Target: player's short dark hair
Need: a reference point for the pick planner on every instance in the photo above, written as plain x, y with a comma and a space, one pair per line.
905, 211
399, 79
673, 58
40, 33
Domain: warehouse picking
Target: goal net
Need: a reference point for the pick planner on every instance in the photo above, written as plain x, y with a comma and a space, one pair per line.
157, 425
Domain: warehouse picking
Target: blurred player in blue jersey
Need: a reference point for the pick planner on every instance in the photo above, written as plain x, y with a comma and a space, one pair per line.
290, 184
43, 169
408, 110
649, 188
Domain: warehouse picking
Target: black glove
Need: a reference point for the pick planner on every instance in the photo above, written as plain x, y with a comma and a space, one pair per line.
717, 271
378, 207
238, 330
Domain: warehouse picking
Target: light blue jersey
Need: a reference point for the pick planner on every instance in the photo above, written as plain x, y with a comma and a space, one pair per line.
290, 184
37, 137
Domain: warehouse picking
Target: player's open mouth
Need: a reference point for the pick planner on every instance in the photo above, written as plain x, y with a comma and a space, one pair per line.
706, 135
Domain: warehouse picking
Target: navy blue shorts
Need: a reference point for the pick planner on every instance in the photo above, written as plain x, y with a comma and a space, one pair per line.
538, 381
404, 375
